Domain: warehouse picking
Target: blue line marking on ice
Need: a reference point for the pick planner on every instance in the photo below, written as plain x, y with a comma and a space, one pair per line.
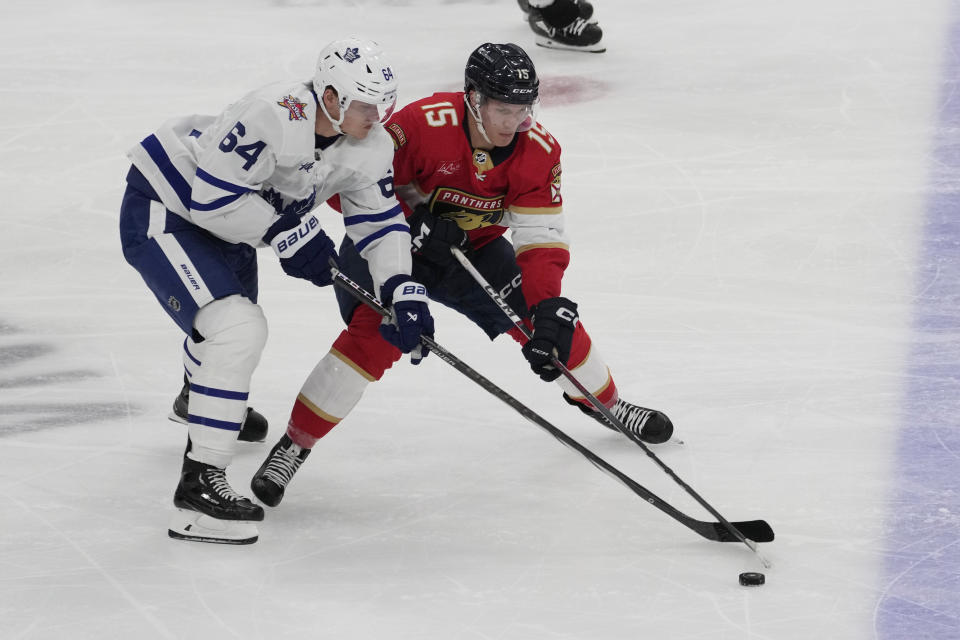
920, 596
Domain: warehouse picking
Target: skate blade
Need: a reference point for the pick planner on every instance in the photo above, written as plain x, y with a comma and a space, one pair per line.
175, 418
553, 44
198, 527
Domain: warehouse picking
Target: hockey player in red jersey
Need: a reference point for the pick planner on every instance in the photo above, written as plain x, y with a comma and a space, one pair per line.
468, 166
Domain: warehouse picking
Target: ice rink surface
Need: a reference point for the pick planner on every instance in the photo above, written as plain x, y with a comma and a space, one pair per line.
765, 245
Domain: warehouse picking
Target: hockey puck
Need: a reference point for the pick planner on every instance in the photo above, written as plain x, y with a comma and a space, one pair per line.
752, 579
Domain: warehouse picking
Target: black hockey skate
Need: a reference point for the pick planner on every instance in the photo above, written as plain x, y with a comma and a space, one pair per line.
579, 35
585, 8
253, 429
650, 425
209, 510
562, 25
273, 476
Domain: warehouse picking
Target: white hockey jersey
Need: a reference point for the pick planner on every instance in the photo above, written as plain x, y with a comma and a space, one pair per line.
234, 174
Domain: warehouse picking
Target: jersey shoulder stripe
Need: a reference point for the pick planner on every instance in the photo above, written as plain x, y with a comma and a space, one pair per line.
158, 155
379, 234
221, 184
375, 217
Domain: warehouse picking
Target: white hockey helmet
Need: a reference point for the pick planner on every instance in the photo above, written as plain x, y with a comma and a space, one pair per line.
357, 70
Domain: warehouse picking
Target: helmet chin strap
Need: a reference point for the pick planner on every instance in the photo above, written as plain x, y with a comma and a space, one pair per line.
475, 112
335, 123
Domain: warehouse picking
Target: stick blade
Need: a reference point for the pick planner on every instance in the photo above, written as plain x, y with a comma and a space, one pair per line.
756, 530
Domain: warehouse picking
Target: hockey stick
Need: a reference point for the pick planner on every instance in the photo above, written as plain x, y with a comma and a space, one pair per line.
736, 532
754, 529
554, 361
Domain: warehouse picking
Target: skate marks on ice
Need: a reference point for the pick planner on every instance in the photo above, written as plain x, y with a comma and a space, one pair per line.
29, 395
558, 91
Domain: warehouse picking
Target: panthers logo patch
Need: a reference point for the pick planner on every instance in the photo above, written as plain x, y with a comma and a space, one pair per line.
399, 138
469, 211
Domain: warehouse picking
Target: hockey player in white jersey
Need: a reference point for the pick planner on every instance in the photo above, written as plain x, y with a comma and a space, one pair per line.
204, 192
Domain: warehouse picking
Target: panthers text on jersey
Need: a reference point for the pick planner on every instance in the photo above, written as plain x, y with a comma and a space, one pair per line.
487, 192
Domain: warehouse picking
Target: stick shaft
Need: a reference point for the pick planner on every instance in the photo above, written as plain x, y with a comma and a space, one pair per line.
710, 530
599, 406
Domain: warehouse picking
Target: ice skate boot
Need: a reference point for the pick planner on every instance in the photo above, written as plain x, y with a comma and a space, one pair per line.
580, 35
585, 8
650, 425
273, 476
209, 510
253, 429
561, 26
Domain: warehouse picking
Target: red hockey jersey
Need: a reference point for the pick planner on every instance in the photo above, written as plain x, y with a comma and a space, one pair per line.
486, 192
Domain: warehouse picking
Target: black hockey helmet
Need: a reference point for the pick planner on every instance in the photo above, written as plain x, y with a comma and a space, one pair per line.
503, 72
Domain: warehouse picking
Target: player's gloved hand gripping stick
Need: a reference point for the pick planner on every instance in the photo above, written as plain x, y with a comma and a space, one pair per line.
411, 316
749, 532
742, 535
433, 236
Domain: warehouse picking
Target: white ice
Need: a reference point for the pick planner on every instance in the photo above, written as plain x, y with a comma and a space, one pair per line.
745, 187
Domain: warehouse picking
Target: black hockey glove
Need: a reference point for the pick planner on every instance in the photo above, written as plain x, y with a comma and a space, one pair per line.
433, 236
304, 249
554, 321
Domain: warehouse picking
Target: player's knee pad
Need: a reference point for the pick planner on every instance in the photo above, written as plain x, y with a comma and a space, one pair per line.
234, 331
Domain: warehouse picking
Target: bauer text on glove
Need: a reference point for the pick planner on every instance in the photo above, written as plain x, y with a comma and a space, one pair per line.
411, 316
303, 248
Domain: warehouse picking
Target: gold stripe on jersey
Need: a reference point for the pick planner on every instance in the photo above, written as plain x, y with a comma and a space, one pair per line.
575, 395
536, 211
545, 245
317, 410
353, 365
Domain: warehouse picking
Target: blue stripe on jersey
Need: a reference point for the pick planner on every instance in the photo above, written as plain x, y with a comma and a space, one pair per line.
216, 204
159, 156
210, 422
219, 393
221, 184
373, 217
379, 234
189, 355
